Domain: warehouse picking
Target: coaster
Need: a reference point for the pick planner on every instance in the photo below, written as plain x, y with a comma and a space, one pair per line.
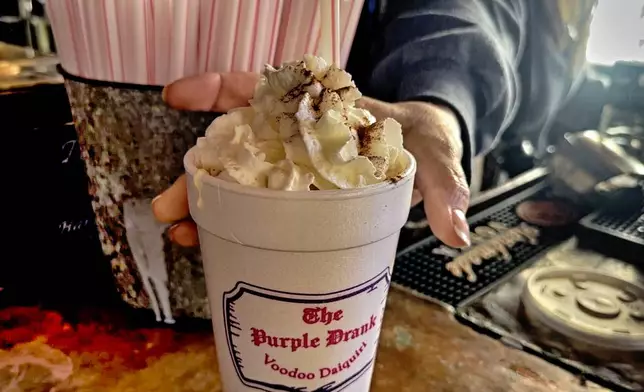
547, 213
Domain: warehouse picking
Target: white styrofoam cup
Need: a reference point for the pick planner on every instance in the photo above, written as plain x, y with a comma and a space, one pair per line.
297, 281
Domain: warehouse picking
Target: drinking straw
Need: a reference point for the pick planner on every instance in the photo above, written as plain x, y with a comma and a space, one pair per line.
263, 27
124, 19
325, 48
225, 37
114, 43
350, 11
313, 35
179, 37
329, 31
65, 46
275, 29
96, 40
150, 47
295, 27
162, 16
244, 36
76, 30
335, 29
191, 62
206, 27
137, 39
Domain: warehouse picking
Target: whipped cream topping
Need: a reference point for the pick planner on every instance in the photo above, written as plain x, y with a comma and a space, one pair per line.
302, 131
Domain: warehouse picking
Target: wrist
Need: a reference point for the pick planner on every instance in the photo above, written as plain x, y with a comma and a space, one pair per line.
434, 118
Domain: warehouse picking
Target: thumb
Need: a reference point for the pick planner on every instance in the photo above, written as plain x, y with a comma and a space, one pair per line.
217, 92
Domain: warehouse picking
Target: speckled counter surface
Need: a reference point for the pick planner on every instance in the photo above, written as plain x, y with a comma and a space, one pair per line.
422, 348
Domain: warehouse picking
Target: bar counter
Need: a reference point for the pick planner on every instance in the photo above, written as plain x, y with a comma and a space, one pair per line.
87, 347
422, 348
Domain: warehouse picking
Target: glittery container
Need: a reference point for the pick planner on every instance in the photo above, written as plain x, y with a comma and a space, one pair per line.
133, 144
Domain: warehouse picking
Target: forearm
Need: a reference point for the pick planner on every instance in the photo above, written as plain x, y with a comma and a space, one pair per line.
462, 54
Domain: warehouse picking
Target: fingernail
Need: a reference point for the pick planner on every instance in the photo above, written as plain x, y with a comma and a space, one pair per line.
171, 231
155, 199
164, 93
461, 227
154, 211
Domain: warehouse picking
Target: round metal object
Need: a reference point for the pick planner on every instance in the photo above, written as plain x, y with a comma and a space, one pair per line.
547, 213
587, 306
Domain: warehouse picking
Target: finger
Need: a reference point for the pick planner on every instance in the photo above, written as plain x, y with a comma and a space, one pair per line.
416, 197
172, 205
442, 184
218, 92
184, 233
434, 137
446, 201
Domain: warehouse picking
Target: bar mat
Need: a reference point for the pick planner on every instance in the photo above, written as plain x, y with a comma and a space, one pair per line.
617, 233
629, 227
424, 273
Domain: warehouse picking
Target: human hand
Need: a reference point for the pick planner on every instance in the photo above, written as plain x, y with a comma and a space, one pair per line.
431, 134
206, 92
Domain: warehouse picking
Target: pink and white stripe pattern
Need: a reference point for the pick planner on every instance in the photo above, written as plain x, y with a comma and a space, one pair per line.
154, 42
300, 28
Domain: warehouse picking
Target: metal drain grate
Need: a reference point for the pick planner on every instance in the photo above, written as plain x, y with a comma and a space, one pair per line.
629, 226
615, 233
420, 270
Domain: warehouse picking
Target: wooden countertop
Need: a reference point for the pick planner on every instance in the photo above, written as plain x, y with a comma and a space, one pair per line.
422, 348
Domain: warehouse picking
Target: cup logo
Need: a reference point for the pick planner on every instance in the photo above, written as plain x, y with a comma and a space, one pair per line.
282, 341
